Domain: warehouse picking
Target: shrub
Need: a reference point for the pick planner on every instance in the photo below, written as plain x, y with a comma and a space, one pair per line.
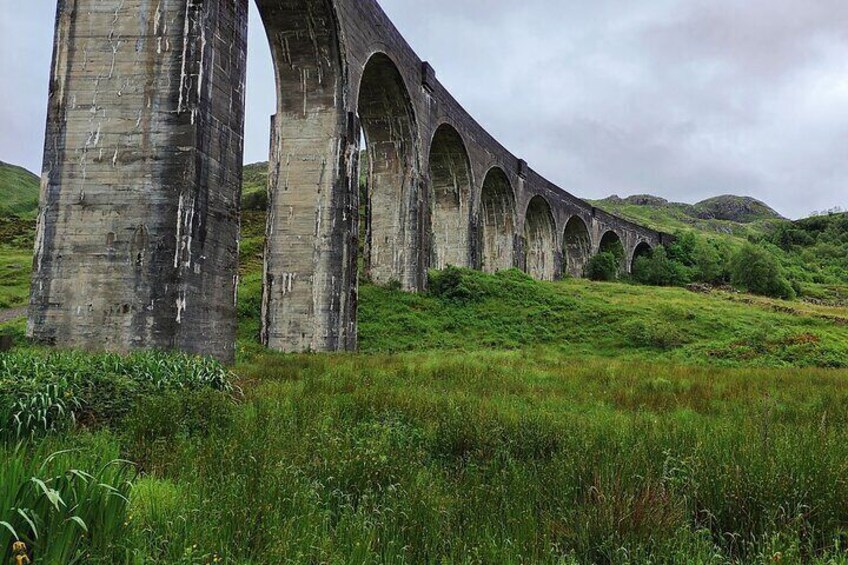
655, 334
756, 270
658, 270
452, 284
256, 201
704, 260
604, 266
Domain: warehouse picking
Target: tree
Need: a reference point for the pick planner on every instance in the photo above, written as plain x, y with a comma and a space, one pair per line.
658, 269
756, 270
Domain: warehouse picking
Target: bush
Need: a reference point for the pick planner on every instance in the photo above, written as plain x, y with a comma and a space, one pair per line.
704, 260
658, 270
655, 334
453, 285
256, 201
755, 270
604, 266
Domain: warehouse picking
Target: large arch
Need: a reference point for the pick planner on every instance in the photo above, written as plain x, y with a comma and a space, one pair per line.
309, 296
576, 246
497, 222
642, 249
392, 248
611, 242
450, 181
540, 240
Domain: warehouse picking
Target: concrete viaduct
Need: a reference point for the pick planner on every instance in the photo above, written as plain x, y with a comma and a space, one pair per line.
137, 242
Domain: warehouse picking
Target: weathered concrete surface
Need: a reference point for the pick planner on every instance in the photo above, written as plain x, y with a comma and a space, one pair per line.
138, 228
309, 301
137, 236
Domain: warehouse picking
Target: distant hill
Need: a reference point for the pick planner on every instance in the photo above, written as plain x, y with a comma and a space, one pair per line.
20, 189
731, 215
742, 209
254, 186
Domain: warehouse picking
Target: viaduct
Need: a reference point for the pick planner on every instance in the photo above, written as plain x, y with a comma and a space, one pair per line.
137, 241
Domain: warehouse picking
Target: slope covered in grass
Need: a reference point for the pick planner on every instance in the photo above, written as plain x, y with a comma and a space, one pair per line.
20, 189
576, 317
738, 216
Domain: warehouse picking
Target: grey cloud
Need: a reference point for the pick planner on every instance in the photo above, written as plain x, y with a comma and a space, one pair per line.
682, 98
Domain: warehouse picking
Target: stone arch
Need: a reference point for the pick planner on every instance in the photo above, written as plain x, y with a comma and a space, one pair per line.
309, 291
497, 222
540, 240
611, 242
576, 246
450, 182
392, 248
642, 249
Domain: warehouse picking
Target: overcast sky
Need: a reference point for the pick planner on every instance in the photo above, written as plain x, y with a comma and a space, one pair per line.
685, 99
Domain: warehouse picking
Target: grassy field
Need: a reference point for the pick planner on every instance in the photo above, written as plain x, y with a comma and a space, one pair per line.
474, 457
500, 420
493, 419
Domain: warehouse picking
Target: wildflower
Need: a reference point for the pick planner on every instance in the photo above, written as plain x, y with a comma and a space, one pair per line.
777, 557
19, 551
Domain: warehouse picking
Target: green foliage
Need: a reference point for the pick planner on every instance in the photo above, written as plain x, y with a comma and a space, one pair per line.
42, 393
20, 189
156, 421
658, 269
254, 192
756, 270
434, 458
510, 310
452, 285
69, 507
603, 266
816, 249
658, 334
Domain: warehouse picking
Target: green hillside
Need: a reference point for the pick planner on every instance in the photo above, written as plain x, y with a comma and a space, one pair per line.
20, 189
726, 215
812, 253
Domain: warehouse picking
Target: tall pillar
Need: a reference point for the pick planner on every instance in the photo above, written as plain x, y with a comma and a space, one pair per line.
310, 286
137, 241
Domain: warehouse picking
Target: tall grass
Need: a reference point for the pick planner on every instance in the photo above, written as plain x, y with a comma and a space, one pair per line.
506, 458
68, 506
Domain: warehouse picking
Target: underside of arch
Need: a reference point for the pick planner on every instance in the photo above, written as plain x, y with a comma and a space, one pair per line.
450, 181
540, 240
497, 222
393, 246
577, 247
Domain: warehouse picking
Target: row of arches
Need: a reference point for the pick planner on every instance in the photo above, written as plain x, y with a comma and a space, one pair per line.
348, 120
388, 126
